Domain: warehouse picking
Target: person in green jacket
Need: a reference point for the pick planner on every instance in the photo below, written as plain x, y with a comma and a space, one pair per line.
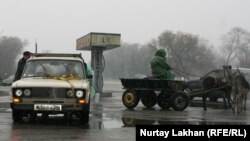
92, 88
160, 68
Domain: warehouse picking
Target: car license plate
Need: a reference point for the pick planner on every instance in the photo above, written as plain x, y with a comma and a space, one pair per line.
47, 107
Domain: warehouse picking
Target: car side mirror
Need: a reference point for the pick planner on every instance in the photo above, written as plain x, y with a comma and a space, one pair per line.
89, 76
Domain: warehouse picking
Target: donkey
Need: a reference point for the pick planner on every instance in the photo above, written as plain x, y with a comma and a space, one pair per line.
222, 86
240, 88
224, 91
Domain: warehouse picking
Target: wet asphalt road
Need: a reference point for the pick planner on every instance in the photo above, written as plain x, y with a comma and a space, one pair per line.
109, 120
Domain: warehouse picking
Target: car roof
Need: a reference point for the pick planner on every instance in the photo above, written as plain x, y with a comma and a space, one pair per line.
244, 70
234, 69
56, 58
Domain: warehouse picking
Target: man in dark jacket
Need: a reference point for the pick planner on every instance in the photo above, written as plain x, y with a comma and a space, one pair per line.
21, 64
159, 66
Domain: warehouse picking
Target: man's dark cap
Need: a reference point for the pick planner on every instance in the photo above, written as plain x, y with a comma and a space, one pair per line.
27, 53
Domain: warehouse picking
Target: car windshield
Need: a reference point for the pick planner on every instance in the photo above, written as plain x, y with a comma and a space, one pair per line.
53, 68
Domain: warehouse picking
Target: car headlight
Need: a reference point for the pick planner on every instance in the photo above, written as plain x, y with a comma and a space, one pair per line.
27, 92
70, 93
19, 92
79, 93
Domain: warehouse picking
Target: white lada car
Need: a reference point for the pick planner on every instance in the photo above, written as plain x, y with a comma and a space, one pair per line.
52, 84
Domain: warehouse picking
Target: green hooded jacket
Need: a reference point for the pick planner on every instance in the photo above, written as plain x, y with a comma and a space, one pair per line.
92, 88
159, 66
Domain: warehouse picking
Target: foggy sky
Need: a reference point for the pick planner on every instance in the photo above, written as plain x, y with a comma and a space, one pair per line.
56, 24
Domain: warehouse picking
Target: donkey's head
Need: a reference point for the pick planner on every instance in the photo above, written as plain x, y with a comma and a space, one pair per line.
241, 79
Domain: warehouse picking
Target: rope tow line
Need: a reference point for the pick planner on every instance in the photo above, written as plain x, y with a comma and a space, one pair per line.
67, 79
184, 72
202, 91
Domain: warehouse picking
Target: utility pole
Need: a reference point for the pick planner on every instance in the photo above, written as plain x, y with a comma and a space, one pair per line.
35, 46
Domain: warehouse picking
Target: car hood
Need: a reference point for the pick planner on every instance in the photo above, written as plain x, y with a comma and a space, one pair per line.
40, 82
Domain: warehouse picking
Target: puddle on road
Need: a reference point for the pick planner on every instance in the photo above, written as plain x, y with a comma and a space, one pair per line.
132, 122
59, 122
99, 119
101, 122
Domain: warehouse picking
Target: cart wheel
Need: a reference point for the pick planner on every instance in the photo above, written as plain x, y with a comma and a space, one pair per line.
179, 101
149, 99
163, 101
128, 121
130, 99
131, 122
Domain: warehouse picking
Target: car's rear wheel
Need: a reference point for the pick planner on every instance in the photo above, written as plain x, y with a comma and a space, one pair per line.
213, 98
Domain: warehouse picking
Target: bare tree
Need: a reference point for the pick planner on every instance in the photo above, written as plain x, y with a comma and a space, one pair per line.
128, 60
233, 43
244, 51
10, 48
187, 53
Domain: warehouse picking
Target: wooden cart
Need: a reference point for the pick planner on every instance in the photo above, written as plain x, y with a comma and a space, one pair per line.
166, 93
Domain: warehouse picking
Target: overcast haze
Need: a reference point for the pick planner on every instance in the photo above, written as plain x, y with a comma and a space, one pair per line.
56, 24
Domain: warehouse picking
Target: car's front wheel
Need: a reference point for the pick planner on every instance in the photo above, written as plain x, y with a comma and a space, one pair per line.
84, 115
16, 115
